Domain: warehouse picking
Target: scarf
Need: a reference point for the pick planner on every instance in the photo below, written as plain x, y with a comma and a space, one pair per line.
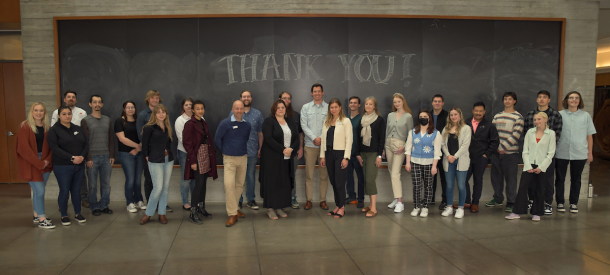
366, 127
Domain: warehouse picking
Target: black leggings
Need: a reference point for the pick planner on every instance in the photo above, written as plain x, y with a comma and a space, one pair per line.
198, 194
336, 175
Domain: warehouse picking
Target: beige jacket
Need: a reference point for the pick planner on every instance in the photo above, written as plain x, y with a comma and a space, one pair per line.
462, 155
343, 138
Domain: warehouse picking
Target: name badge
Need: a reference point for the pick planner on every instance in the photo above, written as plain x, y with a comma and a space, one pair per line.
339, 123
235, 127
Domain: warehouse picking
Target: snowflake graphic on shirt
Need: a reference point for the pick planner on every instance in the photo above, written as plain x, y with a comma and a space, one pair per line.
416, 141
427, 149
429, 135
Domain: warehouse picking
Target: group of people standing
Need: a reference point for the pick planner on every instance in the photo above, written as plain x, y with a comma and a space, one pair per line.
342, 144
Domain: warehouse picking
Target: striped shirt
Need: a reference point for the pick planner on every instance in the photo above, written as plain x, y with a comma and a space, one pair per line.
510, 128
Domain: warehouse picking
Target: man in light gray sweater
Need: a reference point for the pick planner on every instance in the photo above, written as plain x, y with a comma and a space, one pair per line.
99, 132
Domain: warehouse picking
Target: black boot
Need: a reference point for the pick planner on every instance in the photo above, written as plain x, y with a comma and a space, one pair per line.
194, 217
202, 212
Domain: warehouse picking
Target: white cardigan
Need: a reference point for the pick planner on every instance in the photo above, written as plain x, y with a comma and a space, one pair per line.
343, 138
540, 153
462, 154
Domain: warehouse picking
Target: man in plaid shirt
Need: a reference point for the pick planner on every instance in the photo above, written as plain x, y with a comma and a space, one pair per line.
555, 123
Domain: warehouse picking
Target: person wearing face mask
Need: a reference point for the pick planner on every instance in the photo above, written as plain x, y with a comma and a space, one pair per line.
70, 147
335, 152
372, 140
423, 150
186, 186
130, 155
485, 141
280, 146
575, 147
538, 150
400, 122
200, 162
456, 159
34, 158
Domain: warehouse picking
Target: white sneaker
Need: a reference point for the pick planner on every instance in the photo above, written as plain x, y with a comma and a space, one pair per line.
459, 213
448, 211
393, 204
399, 207
424, 212
132, 208
415, 212
141, 205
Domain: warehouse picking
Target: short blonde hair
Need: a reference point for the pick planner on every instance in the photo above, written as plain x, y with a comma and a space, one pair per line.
545, 116
371, 98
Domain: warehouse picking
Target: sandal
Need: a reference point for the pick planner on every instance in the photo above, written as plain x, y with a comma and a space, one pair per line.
337, 215
271, 214
281, 213
331, 213
366, 209
371, 213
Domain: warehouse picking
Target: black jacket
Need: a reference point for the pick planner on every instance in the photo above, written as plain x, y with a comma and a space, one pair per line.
441, 121
67, 142
377, 138
485, 140
154, 144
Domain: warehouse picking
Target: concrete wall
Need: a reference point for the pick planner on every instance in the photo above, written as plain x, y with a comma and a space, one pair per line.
580, 47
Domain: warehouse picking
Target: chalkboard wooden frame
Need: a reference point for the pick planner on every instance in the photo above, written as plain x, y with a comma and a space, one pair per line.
561, 56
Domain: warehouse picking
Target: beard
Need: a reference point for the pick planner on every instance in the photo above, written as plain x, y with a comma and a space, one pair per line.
247, 104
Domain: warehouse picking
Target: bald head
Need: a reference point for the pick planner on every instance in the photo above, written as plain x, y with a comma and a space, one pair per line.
238, 109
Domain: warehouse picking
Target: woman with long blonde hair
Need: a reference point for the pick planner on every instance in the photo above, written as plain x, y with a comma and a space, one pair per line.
156, 147
34, 158
400, 121
456, 159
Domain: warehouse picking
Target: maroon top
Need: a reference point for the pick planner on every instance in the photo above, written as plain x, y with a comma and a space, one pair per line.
192, 136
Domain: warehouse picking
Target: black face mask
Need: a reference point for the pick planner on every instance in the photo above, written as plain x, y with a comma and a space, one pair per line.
423, 121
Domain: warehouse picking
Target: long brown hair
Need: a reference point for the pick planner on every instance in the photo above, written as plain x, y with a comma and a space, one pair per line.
153, 120
430, 122
289, 109
565, 104
124, 114
274, 108
329, 116
450, 123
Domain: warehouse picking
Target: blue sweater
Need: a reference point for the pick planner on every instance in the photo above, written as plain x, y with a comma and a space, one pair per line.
232, 137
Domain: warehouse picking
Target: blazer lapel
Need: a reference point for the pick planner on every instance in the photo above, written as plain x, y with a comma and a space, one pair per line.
199, 128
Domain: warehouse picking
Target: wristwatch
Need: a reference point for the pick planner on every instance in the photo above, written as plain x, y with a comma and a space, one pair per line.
378, 156
72, 159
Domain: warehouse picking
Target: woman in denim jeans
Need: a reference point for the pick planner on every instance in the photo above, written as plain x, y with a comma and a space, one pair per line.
456, 160
156, 147
130, 156
186, 186
69, 146
34, 158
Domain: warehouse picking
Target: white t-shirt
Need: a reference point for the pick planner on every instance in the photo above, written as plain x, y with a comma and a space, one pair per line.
179, 127
77, 115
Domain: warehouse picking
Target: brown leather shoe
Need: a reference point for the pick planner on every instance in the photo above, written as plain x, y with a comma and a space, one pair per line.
240, 214
85, 203
232, 220
466, 205
162, 219
144, 219
474, 208
308, 205
323, 205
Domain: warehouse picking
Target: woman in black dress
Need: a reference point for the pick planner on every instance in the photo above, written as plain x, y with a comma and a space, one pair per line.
281, 142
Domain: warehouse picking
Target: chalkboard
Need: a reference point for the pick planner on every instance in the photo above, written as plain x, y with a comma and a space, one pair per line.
214, 59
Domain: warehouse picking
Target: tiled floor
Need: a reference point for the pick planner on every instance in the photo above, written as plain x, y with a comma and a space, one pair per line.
308, 242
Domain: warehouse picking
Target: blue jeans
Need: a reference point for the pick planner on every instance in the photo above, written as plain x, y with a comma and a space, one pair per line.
354, 164
250, 182
69, 179
101, 166
132, 167
450, 176
186, 186
160, 174
38, 190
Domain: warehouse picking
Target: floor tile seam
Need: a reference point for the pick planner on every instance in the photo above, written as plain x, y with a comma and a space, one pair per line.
258, 257
418, 237
98, 235
575, 250
515, 264
170, 247
345, 250
19, 236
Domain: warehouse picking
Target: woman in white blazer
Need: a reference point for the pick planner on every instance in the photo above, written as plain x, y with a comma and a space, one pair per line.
335, 151
538, 151
456, 159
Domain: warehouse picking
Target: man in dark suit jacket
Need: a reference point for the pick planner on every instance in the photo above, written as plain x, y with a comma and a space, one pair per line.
440, 121
485, 141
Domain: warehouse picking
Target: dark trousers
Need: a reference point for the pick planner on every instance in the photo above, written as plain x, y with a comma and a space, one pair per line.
576, 167
549, 189
504, 167
69, 179
529, 181
354, 164
476, 170
336, 174
148, 186
84, 194
441, 171
198, 194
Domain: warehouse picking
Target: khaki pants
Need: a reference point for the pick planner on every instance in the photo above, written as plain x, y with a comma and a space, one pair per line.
311, 156
395, 164
234, 175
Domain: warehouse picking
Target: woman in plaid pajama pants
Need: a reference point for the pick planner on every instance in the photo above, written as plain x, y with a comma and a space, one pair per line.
423, 150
